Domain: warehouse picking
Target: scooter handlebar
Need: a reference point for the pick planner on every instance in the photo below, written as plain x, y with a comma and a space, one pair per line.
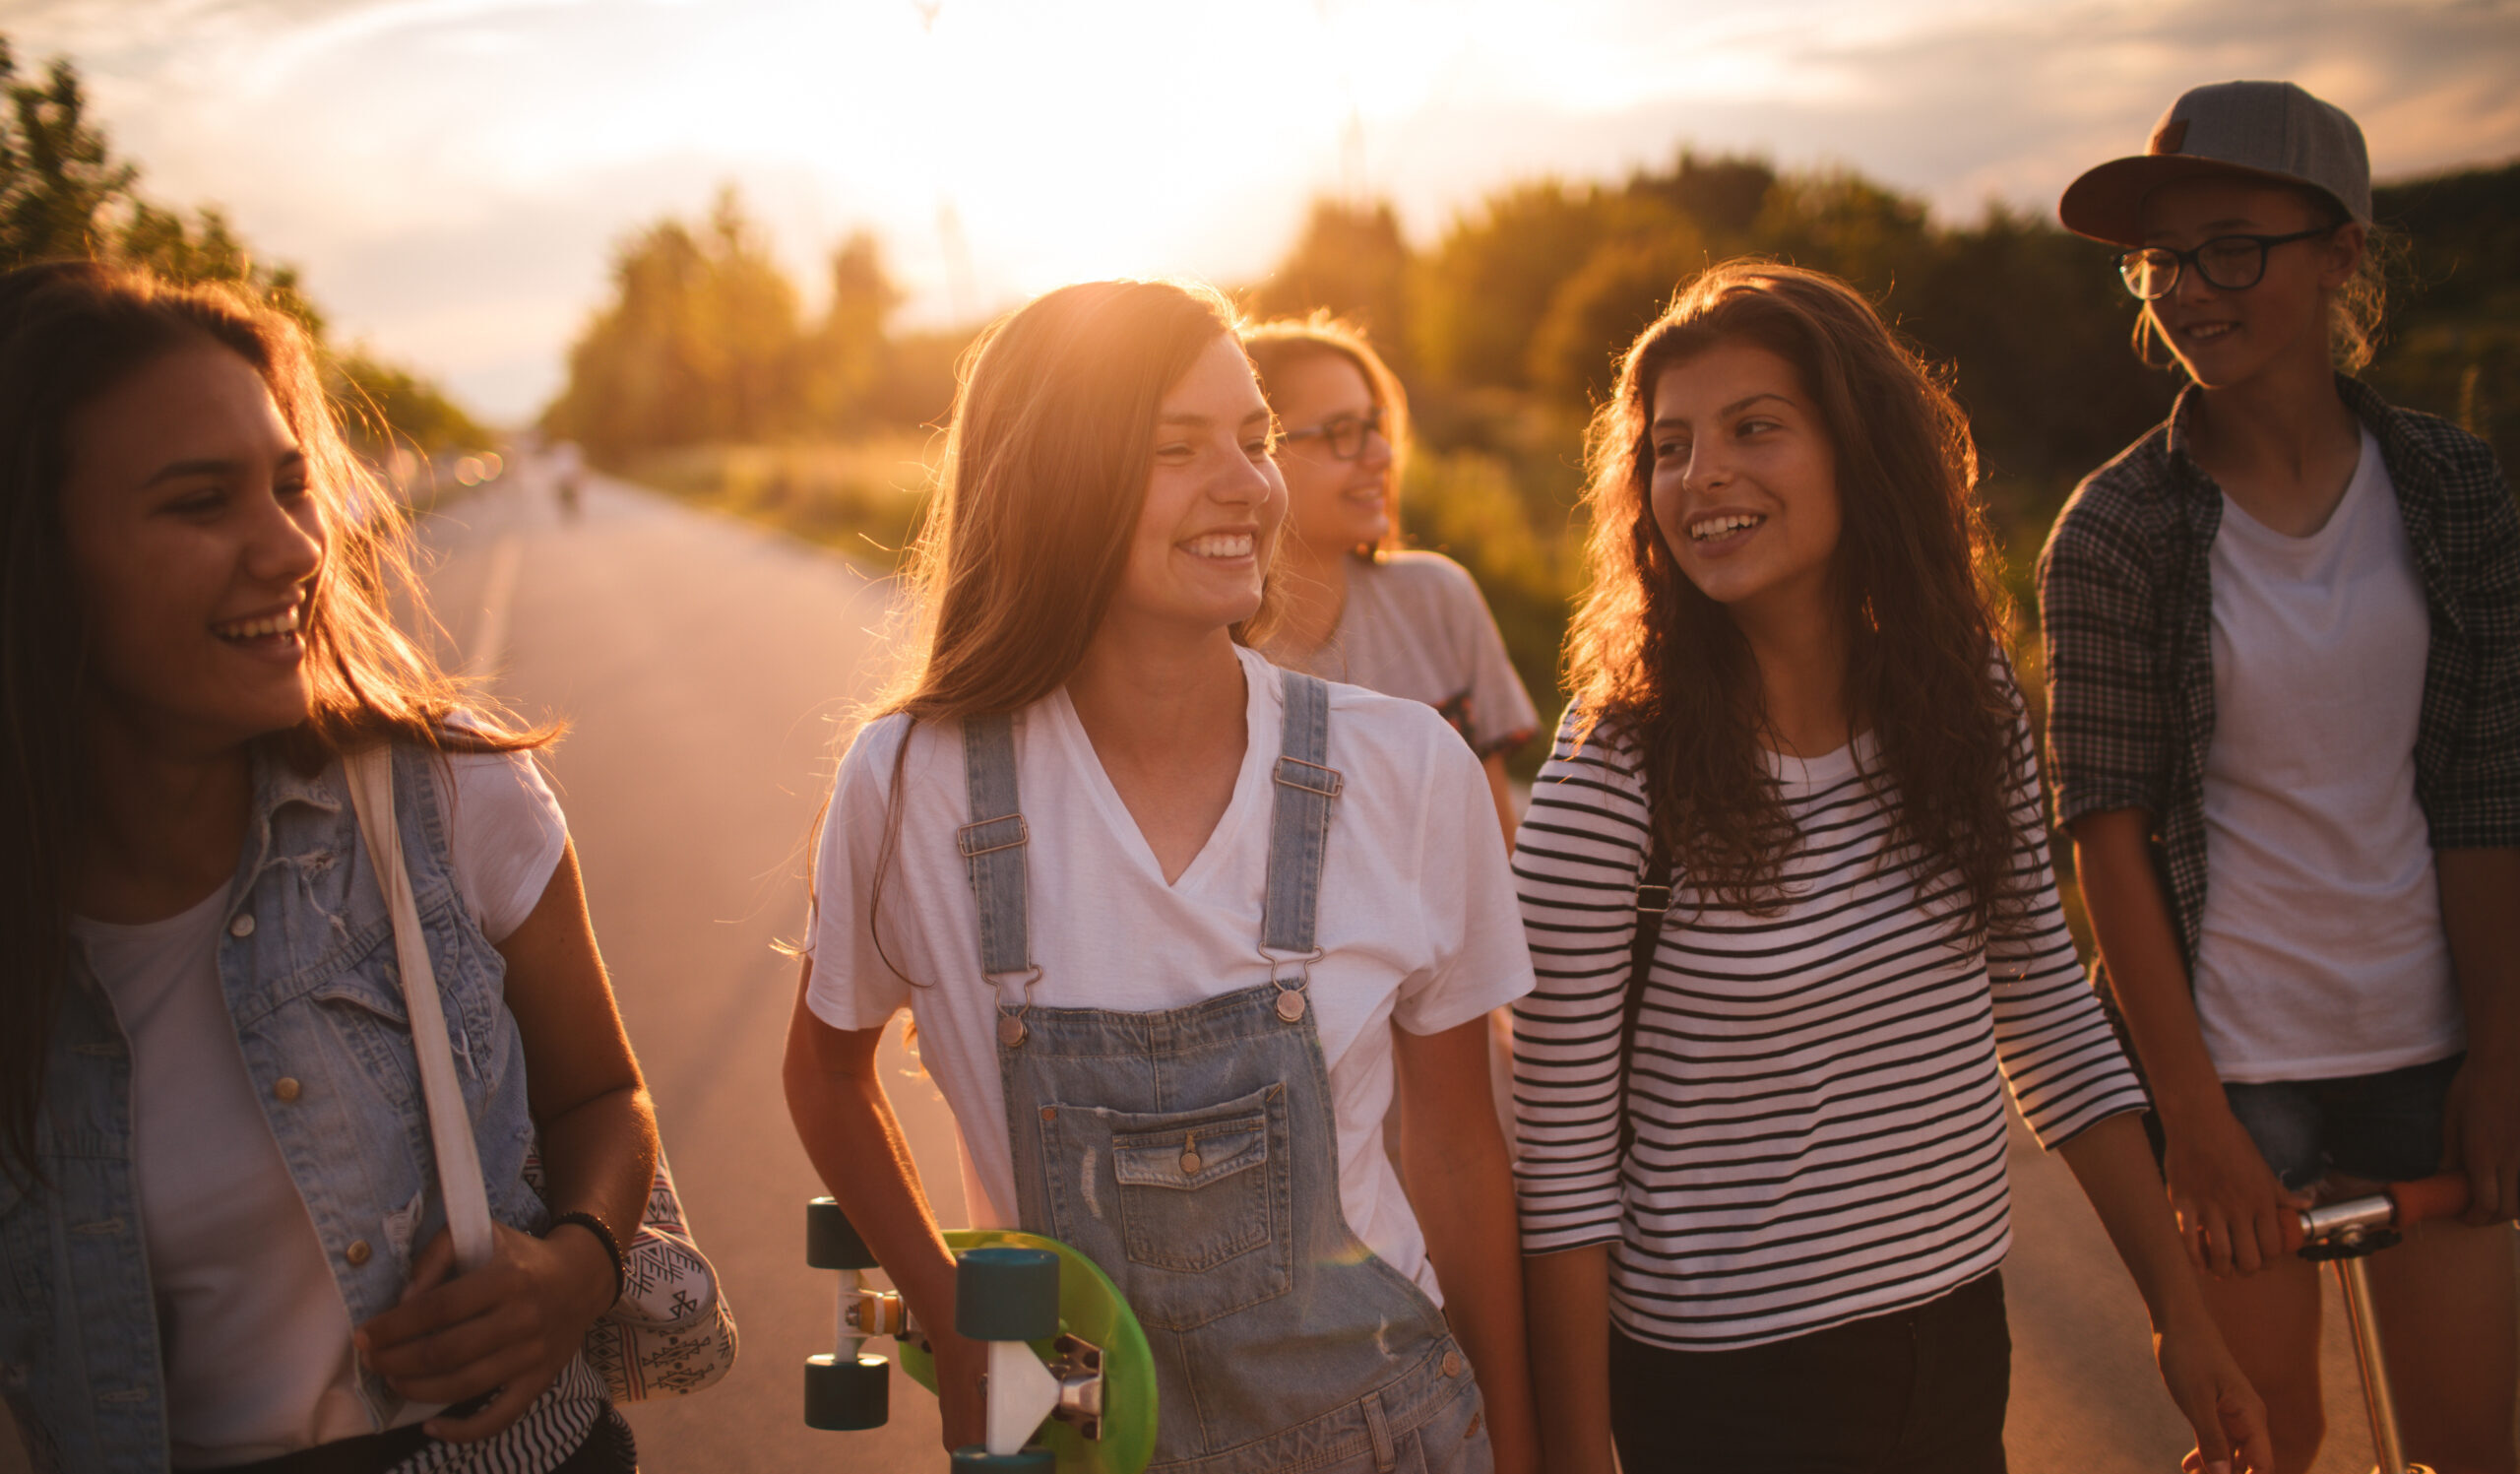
2443, 1197
2401, 1205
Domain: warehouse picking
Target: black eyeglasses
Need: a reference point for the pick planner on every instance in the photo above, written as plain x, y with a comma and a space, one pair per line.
1345, 435
2226, 263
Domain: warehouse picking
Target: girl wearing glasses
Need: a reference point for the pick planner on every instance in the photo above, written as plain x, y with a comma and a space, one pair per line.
1357, 606
2282, 639
1173, 924
1762, 1177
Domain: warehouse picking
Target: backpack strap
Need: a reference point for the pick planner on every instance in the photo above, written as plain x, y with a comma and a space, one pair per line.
1653, 903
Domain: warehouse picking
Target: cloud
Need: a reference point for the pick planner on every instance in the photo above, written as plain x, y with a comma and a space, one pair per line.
452, 173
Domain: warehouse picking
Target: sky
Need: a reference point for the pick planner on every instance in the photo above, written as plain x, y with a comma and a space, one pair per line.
454, 175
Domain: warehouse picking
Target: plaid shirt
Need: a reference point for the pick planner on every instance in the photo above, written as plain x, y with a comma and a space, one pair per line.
2125, 599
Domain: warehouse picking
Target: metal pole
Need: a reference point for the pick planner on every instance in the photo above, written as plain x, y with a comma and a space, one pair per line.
2355, 1279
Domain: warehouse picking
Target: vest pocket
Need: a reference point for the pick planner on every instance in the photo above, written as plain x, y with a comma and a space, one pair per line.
1203, 1207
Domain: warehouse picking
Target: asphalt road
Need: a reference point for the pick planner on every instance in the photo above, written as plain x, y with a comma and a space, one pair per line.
703, 665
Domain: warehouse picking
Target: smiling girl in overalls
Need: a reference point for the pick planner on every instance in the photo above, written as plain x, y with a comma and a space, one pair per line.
1170, 922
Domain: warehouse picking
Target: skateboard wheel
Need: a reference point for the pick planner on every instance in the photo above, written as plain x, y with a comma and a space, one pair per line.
1007, 1294
976, 1459
847, 1396
830, 1241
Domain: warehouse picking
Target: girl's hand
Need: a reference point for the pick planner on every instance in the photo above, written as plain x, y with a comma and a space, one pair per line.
507, 1329
2480, 1136
961, 1393
2226, 1412
2233, 1216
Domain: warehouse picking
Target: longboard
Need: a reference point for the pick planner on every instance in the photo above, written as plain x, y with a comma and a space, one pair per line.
1074, 1379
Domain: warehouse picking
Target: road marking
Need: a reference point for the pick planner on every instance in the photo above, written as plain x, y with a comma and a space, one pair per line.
498, 591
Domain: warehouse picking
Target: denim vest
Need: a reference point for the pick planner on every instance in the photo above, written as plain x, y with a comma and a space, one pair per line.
1193, 1154
306, 961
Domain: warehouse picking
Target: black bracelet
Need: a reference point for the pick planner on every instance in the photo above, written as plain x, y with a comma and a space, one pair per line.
603, 1236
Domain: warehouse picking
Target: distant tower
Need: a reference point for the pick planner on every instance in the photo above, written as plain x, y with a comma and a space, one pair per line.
961, 283
1354, 188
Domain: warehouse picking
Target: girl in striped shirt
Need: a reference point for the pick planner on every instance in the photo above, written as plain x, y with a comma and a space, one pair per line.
1763, 1197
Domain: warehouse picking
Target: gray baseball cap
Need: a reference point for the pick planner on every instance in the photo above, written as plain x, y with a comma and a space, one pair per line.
2269, 132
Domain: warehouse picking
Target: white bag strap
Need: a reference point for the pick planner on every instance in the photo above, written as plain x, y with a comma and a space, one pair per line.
459, 1157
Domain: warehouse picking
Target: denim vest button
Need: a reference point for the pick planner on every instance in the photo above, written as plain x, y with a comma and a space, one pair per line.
1452, 1364
286, 1089
243, 926
358, 1252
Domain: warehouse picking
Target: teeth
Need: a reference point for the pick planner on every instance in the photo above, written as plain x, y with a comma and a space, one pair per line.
1221, 545
1717, 526
283, 622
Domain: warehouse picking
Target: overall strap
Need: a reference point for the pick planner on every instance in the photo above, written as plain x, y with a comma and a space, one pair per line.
993, 843
1653, 901
1298, 834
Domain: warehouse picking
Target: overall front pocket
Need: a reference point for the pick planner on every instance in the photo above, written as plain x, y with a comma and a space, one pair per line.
1203, 1198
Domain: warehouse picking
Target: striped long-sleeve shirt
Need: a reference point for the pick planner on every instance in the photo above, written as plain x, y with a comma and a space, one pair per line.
1819, 1118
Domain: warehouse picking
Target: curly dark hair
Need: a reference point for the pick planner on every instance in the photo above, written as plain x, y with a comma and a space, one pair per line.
1669, 672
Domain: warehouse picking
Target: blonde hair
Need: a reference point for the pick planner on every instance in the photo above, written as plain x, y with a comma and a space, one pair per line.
1280, 344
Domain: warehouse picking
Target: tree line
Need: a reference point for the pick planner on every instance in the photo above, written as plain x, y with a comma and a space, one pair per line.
64, 194
1506, 329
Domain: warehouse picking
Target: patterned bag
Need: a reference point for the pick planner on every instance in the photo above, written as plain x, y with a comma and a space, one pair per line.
670, 1332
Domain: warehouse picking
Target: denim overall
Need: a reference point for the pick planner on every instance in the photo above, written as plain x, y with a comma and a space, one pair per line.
306, 958
1193, 1153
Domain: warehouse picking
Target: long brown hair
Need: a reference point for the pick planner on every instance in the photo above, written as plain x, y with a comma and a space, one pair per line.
1046, 470
1280, 344
1914, 579
70, 331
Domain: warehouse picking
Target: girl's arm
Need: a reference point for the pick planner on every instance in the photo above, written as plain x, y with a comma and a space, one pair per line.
846, 1122
513, 1325
2233, 1214
1501, 789
2481, 1127
2115, 1165
1462, 1190
1567, 1301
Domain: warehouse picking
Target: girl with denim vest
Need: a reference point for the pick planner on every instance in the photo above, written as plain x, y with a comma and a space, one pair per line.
1170, 922
2283, 637
1762, 1166
225, 1246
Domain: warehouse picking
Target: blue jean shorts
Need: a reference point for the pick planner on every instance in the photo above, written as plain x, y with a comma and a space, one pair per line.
2386, 1126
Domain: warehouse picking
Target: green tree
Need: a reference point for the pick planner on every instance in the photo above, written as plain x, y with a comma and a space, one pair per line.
1598, 311
387, 404
1479, 296
1352, 260
700, 343
63, 194
849, 355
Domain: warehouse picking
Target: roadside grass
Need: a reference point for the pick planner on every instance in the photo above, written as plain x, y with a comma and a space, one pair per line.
862, 498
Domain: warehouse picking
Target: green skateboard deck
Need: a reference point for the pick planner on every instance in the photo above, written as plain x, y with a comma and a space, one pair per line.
1091, 1309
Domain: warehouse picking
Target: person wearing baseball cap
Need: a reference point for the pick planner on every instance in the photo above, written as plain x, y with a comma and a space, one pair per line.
2283, 647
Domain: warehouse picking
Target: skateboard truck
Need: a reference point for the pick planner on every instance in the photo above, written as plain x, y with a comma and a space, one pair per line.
1005, 1297
2347, 1233
849, 1389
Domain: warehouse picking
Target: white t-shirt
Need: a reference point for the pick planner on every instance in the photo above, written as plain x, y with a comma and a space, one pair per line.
1415, 625
255, 1335
2322, 952
1417, 918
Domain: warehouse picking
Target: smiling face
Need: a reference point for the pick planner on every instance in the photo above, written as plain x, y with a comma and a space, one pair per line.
1213, 501
1333, 504
2225, 337
195, 543
1744, 481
